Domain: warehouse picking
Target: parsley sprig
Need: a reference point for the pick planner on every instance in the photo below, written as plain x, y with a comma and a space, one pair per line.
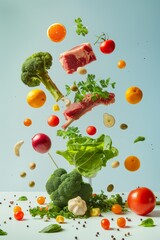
91, 86
81, 29
70, 133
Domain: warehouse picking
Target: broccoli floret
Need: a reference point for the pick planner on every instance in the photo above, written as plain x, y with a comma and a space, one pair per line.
63, 186
34, 72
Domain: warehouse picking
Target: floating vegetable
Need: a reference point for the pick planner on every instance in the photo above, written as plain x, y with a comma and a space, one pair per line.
35, 71
31, 184
121, 64
3, 233
27, 122
41, 143
138, 139
53, 121
51, 228
80, 28
107, 46
91, 130
22, 198
147, 223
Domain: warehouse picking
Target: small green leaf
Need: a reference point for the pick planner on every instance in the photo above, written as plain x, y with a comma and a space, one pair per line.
51, 228
2, 233
147, 223
81, 29
22, 198
138, 139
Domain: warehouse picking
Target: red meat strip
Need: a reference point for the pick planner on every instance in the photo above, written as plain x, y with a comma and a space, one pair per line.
78, 56
76, 110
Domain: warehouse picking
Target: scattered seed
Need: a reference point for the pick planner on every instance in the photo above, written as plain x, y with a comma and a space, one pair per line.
32, 165
110, 187
123, 126
81, 70
31, 184
23, 174
115, 164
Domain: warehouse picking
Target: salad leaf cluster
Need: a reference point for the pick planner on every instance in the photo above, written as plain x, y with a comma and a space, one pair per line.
81, 29
87, 154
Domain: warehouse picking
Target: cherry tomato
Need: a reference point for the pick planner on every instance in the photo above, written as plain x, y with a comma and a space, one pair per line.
19, 215
53, 121
116, 208
107, 46
91, 130
41, 200
121, 222
141, 201
27, 122
105, 223
17, 209
121, 64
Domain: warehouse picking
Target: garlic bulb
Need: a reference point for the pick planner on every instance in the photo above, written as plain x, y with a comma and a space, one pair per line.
77, 206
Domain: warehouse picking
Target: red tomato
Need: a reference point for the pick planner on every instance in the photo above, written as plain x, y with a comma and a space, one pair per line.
53, 121
19, 215
107, 46
105, 223
141, 201
91, 130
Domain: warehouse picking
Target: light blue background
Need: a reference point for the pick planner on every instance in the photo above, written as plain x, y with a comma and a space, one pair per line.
134, 26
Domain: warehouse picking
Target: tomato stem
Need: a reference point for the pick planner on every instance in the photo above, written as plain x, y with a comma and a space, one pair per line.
102, 37
52, 160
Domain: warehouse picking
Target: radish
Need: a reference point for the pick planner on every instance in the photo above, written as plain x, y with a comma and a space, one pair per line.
41, 143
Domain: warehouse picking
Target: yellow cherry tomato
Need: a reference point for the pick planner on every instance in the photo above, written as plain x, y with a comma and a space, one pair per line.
60, 219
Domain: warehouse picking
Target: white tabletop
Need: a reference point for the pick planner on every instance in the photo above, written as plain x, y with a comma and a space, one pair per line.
80, 229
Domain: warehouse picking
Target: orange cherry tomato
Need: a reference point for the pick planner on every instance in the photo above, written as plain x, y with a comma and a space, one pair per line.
116, 208
41, 200
121, 222
17, 209
121, 64
27, 122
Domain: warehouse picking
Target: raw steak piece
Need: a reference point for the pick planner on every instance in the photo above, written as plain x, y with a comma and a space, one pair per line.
78, 109
78, 56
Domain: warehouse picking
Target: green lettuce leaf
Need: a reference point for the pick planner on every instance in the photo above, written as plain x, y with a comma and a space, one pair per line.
89, 155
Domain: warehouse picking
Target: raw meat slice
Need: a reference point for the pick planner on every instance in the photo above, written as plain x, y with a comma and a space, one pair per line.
78, 56
76, 110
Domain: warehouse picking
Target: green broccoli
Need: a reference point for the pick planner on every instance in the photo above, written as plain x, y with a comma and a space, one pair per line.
63, 186
34, 72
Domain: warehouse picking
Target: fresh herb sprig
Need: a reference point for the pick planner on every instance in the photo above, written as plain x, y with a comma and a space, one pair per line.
91, 86
70, 133
81, 29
